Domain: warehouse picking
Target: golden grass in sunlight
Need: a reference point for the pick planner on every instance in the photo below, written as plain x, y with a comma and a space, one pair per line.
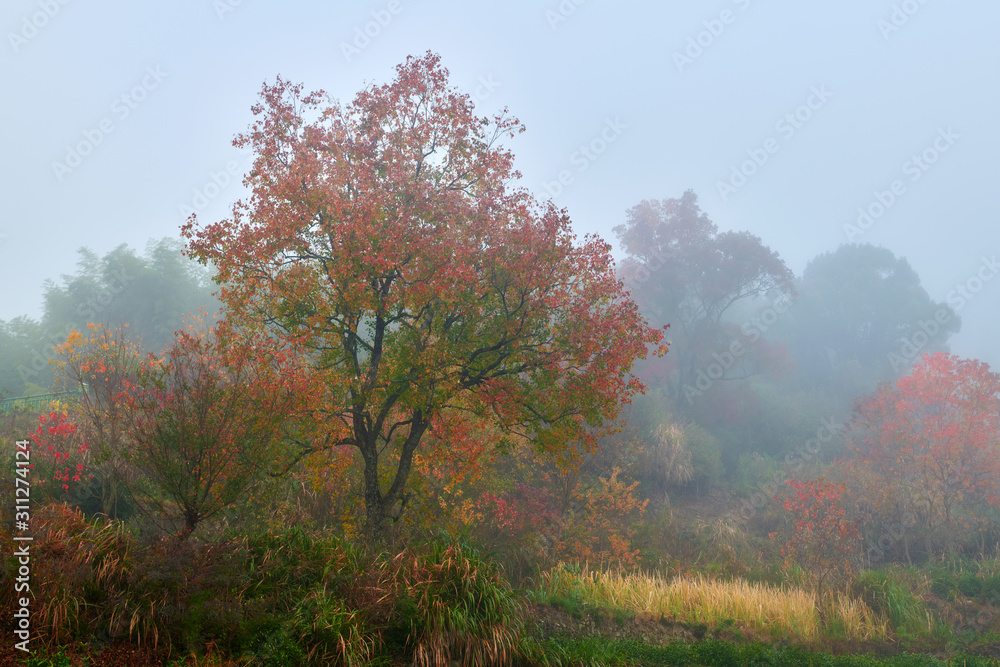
775, 610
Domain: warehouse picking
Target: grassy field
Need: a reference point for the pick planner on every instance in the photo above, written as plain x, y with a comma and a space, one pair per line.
108, 596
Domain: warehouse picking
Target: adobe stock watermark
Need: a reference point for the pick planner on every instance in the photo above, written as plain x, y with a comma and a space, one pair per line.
32, 24
911, 346
586, 154
714, 28
485, 87
751, 331
786, 127
213, 186
914, 168
223, 7
121, 108
22, 521
217, 182
957, 298
364, 34
973, 285
976, 625
562, 12
646, 271
899, 16
876, 550
924, 503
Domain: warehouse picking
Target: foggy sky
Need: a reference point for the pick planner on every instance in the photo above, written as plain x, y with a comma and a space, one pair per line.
806, 112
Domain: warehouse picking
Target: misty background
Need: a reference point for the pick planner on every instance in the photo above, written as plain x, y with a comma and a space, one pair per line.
804, 193
784, 119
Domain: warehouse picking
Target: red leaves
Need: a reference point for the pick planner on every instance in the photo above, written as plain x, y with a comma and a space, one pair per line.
934, 438
825, 540
385, 242
57, 443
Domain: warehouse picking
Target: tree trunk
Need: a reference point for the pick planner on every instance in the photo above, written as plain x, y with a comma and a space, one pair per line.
375, 511
378, 505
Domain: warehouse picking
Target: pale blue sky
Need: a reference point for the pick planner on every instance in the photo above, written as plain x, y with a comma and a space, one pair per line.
190, 70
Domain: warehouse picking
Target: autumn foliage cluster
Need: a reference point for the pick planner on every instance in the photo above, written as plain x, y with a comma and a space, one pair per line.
406, 336
824, 541
386, 245
927, 451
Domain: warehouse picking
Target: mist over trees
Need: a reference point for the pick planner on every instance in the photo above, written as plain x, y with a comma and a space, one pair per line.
151, 292
862, 314
412, 355
684, 273
757, 356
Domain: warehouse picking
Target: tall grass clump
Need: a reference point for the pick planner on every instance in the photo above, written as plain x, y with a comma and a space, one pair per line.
77, 567
455, 606
888, 597
333, 633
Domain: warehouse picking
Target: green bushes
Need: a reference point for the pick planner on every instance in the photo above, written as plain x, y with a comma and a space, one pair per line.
272, 599
334, 634
297, 598
976, 580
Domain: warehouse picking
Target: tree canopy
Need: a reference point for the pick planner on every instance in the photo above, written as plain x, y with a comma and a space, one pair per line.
386, 243
861, 305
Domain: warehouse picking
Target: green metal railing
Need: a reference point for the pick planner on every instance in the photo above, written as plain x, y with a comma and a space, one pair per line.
37, 402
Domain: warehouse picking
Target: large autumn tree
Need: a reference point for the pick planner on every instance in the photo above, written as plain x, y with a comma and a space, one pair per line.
386, 242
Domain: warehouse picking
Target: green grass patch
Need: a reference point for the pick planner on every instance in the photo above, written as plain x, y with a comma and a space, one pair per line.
715, 653
887, 596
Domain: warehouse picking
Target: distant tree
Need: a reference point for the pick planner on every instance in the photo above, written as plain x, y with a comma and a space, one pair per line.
24, 353
151, 293
861, 318
682, 271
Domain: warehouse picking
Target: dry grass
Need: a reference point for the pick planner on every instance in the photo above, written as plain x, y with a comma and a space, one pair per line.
774, 610
74, 553
857, 619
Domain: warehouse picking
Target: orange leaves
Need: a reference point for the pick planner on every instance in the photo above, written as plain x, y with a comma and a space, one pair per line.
102, 356
601, 529
386, 246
